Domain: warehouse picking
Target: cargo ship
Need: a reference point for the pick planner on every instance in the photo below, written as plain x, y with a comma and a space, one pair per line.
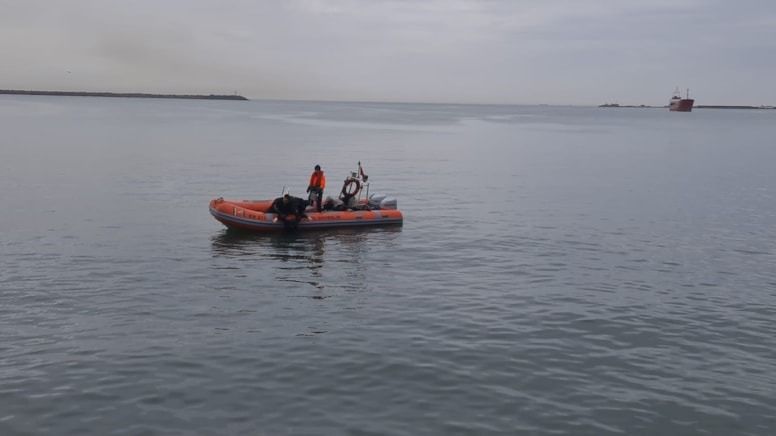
679, 104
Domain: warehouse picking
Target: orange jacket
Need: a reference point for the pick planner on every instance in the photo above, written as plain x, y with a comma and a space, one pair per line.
317, 180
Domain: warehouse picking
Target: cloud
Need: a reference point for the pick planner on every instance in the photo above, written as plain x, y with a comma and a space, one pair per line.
527, 51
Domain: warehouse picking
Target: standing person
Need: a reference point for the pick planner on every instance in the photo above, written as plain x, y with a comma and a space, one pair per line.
317, 183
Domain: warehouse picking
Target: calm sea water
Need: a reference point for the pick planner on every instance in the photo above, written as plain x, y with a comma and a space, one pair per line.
561, 270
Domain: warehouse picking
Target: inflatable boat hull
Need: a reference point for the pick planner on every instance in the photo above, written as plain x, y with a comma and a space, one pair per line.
255, 216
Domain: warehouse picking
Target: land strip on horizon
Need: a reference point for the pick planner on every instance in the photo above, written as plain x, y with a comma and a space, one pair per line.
123, 94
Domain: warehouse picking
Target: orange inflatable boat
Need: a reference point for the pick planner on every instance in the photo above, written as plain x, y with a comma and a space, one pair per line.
351, 209
256, 216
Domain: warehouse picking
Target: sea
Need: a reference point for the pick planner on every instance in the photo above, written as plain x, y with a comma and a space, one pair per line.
560, 271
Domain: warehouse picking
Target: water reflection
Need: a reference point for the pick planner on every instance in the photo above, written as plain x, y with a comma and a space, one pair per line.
231, 243
308, 258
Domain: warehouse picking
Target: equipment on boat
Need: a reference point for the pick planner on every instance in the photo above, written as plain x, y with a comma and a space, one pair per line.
354, 208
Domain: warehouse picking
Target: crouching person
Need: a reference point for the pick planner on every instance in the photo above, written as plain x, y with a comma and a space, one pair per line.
289, 205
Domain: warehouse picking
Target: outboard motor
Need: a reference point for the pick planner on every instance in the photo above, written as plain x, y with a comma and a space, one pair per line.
388, 203
374, 201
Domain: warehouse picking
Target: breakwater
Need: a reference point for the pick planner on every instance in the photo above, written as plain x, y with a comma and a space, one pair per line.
123, 94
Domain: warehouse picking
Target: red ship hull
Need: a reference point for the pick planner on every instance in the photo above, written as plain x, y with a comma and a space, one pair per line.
681, 105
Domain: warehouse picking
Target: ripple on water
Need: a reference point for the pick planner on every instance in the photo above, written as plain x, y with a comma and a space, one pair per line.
525, 293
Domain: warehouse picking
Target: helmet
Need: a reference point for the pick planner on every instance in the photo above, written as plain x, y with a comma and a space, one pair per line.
317, 168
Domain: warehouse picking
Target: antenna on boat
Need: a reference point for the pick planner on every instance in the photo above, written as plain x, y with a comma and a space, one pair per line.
362, 175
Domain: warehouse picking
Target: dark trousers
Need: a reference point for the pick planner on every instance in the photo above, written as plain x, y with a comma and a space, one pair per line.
316, 194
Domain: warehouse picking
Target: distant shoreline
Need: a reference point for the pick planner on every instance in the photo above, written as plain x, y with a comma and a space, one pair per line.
706, 106
122, 94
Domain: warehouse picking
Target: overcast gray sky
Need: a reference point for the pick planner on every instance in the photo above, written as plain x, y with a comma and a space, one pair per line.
489, 51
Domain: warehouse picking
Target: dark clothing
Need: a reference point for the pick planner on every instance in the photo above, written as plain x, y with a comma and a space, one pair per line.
316, 196
284, 206
299, 205
281, 208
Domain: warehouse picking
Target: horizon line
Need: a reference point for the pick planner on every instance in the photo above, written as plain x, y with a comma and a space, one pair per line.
241, 97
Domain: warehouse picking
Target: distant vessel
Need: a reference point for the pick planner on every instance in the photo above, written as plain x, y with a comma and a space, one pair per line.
679, 104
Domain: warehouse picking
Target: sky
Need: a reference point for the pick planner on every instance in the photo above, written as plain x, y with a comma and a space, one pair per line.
580, 52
